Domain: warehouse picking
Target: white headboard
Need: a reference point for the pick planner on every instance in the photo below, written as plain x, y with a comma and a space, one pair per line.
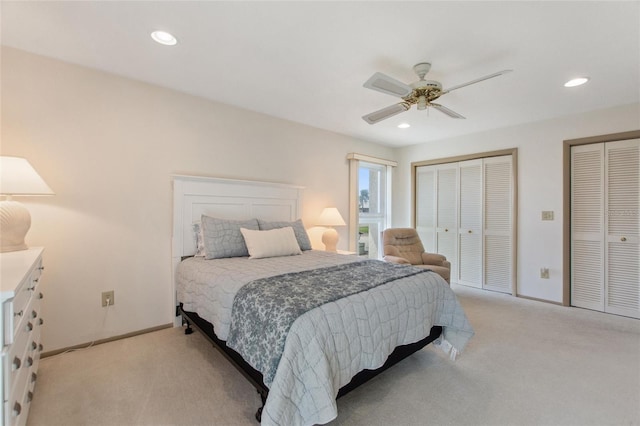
194, 196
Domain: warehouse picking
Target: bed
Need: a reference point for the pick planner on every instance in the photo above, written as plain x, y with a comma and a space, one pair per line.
360, 317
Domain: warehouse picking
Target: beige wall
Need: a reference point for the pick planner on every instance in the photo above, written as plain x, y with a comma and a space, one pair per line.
107, 146
540, 171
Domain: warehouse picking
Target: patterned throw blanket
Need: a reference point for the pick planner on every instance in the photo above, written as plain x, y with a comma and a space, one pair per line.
264, 309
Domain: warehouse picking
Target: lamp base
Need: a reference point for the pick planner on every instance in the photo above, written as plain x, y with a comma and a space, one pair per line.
330, 239
15, 222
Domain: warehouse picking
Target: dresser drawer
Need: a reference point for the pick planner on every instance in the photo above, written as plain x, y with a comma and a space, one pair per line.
19, 404
17, 308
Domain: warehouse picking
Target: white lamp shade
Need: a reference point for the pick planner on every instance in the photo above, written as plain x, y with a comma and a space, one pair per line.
18, 177
330, 216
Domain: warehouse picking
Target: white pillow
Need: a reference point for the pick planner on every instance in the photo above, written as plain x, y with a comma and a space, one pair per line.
272, 243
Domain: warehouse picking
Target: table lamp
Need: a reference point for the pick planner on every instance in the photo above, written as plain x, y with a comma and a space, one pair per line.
330, 217
17, 178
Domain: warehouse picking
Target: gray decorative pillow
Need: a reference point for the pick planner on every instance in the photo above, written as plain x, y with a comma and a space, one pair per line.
298, 229
222, 237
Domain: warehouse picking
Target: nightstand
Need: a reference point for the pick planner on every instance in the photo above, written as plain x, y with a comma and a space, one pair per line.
20, 323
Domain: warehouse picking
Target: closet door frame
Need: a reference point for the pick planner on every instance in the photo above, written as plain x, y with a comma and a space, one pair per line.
474, 156
566, 208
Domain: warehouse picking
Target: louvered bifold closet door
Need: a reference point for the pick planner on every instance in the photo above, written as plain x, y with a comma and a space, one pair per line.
622, 183
447, 215
470, 230
587, 226
426, 206
498, 224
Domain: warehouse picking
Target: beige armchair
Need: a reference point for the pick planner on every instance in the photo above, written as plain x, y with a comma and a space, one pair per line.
403, 245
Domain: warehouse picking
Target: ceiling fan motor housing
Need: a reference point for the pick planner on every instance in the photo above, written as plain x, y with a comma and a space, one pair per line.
424, 91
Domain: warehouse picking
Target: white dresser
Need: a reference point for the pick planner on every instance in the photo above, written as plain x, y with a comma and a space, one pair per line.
21, 323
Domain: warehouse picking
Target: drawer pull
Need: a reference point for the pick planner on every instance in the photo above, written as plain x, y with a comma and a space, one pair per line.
470, 231
29, 361
40, 296
40, 321
29, 396
623, 239
18, 314
16, 363
34, 314
17, 408
34, 377
28, 327
34, 346
40, 347
41, 268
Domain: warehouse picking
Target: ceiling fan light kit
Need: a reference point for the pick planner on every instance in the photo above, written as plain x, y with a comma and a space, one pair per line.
421, 93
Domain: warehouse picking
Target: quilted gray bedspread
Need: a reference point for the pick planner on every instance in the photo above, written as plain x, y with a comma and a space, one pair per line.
264, 309
329, 344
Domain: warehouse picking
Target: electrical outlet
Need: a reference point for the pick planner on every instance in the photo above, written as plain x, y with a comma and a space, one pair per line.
544, 273
547, 215
107, 296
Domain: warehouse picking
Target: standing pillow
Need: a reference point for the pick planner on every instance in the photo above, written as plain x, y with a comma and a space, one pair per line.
298, 229
273, 243
222, 237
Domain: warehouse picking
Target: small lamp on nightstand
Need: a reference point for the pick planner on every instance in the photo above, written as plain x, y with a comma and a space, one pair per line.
17, 178
330, 217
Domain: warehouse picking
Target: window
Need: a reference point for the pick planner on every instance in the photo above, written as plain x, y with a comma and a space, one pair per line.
370, 210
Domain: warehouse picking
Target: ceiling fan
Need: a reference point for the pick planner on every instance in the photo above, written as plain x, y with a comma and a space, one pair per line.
421, 93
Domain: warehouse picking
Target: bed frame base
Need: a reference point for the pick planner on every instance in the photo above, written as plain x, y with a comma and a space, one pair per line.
191, 319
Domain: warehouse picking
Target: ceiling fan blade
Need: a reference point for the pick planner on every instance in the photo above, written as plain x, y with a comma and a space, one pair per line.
389, 85
477, 80
385, 113
445, 110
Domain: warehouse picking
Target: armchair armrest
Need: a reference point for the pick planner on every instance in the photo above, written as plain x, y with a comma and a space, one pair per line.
396, 259
433, 259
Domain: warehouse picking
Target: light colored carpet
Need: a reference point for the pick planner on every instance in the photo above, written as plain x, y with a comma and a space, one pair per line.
530, 363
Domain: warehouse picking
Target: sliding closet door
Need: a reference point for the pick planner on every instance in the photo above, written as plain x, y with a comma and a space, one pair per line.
622, 204
587, 226
447, 214
426, 207
498, 224
470, 231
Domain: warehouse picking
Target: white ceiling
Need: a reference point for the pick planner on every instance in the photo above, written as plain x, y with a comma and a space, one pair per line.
306, 61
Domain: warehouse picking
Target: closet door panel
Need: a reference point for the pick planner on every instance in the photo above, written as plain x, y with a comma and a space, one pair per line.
426, 206
447, 215
587, 226
470, 228
498, 224
622, 204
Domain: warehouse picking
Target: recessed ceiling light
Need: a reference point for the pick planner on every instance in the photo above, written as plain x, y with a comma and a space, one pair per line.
576, 82
404, 125
164, 37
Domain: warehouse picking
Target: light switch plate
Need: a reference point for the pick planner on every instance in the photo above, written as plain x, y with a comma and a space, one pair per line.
547, 215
